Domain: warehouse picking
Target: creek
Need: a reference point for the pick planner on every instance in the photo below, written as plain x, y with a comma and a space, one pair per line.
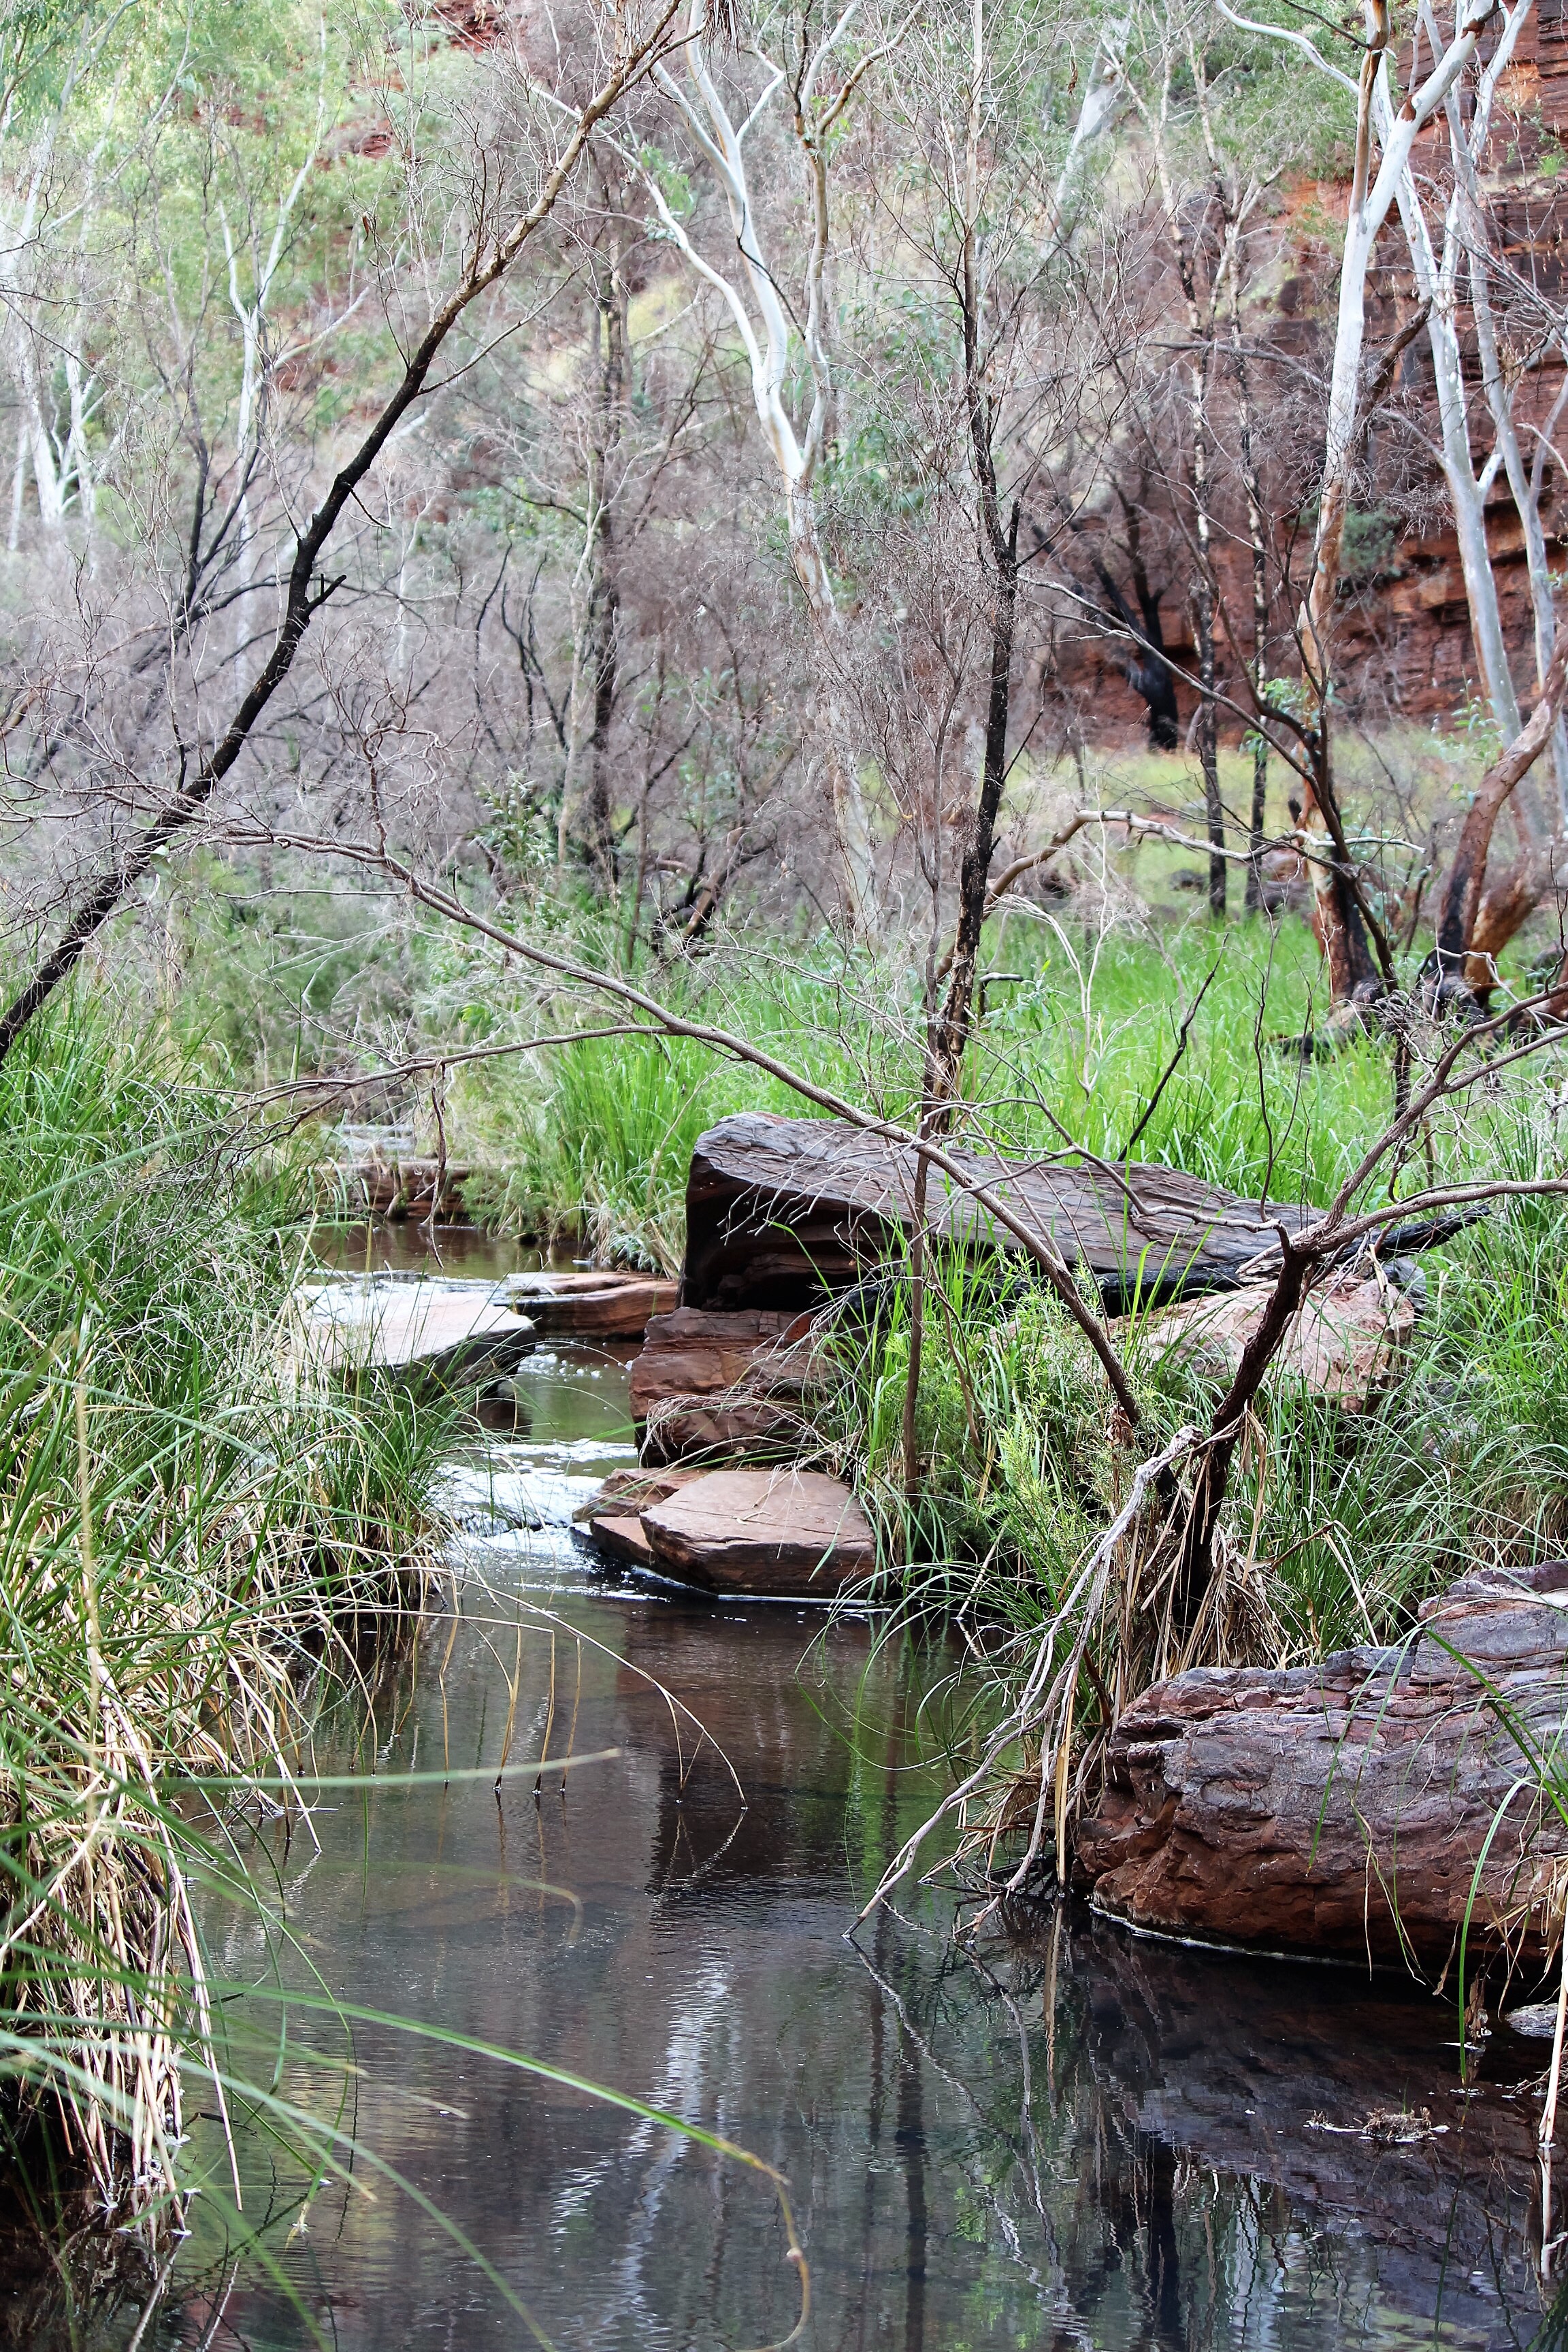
1064, 2136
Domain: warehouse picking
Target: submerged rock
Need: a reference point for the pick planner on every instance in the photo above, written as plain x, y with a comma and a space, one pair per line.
785, 1534
1345, 1808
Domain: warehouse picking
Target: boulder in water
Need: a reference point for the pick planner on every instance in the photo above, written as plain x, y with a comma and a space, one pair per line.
1345, 1808
785, 1533
590, 1304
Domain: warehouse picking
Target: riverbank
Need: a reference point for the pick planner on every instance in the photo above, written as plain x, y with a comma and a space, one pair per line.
196, 1541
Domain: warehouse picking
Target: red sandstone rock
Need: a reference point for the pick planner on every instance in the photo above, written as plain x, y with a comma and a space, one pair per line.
590, 1305
688, 1353
622, 1538
782, 1211
635, 1490
711, 1386
453, 1332
1341, 1808
1345, 1343
783, 1533
612, 1517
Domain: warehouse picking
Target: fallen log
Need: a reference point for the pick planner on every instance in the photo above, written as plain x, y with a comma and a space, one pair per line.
1345, 1808
782, 1213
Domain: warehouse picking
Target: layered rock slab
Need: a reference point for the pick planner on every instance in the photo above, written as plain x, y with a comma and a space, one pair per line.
782, 1533
1343, 1809
614, 1518
449, 1330
782, 1213
590, 1304
710, 1385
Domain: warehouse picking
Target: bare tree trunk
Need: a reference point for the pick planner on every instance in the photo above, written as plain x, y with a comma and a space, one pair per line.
999, 549
1200, 354
951, 1032
1465, 952
767, 327
1195, 1570
1336, 916
1259, 815
605, 606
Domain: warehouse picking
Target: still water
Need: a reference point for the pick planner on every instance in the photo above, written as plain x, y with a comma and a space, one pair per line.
1064, 2138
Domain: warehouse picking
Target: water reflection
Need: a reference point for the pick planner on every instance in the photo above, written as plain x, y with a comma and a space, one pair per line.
1065, 2138
403, 1245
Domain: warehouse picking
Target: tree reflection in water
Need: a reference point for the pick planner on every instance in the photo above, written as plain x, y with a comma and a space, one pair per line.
1063, 2138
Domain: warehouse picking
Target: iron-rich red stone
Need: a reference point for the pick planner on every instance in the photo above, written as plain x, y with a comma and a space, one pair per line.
1343, 1808
785, 1533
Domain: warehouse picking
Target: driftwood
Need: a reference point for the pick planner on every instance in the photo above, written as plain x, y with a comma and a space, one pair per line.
1341, 1808
782, 1213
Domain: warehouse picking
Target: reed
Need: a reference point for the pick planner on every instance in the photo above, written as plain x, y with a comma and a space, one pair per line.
192, 1535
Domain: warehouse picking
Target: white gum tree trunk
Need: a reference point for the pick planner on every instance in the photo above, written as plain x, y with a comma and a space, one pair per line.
762, 321
1388, 123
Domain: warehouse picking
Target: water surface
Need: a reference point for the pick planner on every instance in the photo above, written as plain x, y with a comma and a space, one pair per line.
1064, 2138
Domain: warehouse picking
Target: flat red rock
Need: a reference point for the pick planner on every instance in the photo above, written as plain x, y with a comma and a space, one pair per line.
785, 1533
712, 1386
622, 1538
590, 1305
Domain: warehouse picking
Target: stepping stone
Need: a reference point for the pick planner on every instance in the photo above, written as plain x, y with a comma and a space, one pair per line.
622, 1538
612, 1520
785, 1534
590, 1305
398, 1326
711, 1386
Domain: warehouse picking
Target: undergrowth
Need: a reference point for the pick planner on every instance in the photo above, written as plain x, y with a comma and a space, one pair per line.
193, 1531
1337, 1524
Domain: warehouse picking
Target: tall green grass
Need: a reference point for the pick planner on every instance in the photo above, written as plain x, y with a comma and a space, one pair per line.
190, 1532
591, 1142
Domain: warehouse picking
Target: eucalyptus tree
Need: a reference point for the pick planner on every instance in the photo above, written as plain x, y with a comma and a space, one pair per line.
1398, 166
461, 197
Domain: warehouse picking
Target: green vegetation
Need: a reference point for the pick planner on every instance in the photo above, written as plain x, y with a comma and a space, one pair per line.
1337, 1526
192, 1533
